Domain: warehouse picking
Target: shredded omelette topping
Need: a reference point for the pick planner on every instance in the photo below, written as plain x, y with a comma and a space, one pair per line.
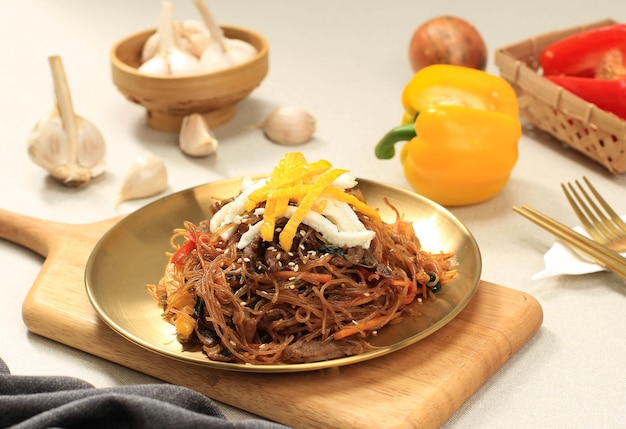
310, 193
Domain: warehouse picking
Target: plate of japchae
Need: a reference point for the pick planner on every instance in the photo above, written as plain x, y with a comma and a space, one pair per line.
159, 279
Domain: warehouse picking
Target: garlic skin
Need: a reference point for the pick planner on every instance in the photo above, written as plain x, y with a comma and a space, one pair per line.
196, 138
169, 59
237, 51
289, 125
146, 177
65, 144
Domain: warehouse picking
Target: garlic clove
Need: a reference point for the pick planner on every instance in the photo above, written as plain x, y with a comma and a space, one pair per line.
146, 177
150, 47
196, 138
91, 147
47, 142
289, 125
195, 37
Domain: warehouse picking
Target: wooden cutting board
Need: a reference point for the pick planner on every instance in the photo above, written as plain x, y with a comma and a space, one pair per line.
420, 386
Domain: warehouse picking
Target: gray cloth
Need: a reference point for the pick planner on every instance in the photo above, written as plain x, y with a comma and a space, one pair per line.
30, 402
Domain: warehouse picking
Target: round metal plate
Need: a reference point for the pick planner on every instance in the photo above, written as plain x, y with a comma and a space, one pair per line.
132, 254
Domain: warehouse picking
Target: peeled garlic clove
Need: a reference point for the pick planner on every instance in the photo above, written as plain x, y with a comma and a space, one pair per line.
289, 125
196, 138
145, 178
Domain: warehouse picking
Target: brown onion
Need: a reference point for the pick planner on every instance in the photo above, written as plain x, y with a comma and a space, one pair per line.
447, 40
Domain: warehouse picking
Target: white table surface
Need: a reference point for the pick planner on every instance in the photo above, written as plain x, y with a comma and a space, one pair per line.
344, 61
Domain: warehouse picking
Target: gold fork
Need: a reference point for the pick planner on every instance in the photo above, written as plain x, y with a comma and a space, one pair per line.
604, 256
603, 225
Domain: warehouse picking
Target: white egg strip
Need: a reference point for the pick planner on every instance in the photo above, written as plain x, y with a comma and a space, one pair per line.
354, 236
231, 211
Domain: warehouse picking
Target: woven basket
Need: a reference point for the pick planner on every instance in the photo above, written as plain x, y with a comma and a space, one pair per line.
596, 133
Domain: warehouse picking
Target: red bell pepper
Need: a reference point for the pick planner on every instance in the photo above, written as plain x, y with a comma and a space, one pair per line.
590, 64
581, 53
607, 94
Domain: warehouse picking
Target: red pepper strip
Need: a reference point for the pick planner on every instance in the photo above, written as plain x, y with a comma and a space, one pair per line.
178, 258
580, 54
607, 94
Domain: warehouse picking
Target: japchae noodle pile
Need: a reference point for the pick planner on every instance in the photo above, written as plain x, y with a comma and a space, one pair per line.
297, 268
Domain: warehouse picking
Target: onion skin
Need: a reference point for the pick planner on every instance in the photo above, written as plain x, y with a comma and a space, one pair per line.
447, 40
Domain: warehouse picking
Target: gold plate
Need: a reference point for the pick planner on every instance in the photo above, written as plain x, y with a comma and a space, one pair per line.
132, 254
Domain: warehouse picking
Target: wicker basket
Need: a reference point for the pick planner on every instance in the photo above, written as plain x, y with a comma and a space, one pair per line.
596, 133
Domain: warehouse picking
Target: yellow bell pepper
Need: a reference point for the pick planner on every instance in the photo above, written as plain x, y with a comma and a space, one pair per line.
462, 128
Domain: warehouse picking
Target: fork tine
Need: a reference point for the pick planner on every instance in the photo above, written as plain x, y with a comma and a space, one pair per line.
599, 219
607, 208
586, 223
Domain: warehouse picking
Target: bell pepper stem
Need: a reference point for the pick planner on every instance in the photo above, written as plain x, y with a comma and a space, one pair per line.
385, 147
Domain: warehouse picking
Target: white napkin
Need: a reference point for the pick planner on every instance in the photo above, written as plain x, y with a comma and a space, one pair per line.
561, 259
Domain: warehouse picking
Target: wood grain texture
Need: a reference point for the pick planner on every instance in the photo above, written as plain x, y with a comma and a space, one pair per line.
417, 387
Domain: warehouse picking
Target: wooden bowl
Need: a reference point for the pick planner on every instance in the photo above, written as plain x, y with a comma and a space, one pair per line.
169, 99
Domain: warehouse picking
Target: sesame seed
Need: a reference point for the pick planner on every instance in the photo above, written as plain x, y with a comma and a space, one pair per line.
296, 267
246, 259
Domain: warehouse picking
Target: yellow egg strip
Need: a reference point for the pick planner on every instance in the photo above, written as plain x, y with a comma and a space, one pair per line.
290, 229
297, 181
288, 173
358, 205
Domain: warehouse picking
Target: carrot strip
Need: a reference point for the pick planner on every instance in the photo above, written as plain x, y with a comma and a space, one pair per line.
411, 289
309, 277
360, 327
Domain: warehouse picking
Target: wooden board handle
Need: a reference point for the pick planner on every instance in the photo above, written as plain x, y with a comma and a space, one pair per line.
29, 232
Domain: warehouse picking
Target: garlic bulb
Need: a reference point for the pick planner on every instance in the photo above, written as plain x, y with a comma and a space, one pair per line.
223, 52
191, 36
237, 51
66, 145
289, 125
169, 59
196, 138
145, 178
